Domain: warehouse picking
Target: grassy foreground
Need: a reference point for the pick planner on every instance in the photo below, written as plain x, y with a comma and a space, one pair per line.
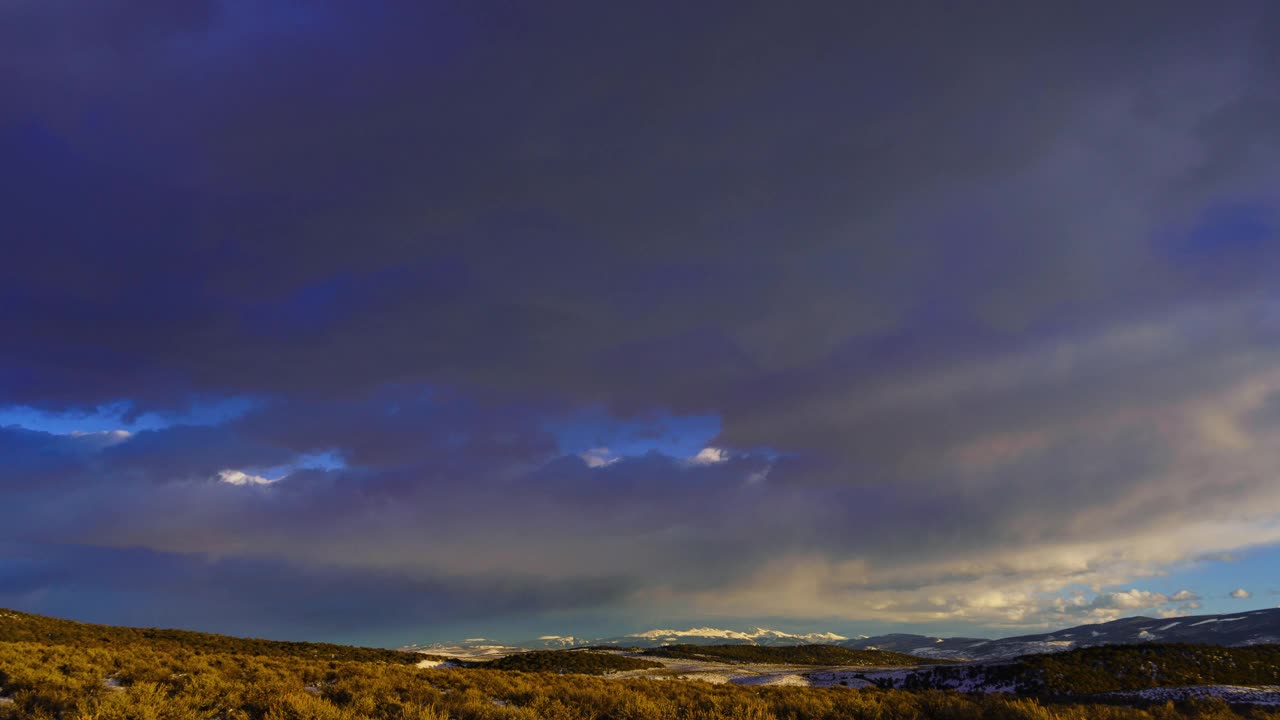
131, 676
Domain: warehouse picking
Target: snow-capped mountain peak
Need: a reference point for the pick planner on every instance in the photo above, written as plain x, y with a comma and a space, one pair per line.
705, 632
756, 635
1233, 630
560, 641
479, 647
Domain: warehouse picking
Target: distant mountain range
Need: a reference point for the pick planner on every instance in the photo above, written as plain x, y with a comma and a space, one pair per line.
1255, 627
715, 636
1247, 628
481, 647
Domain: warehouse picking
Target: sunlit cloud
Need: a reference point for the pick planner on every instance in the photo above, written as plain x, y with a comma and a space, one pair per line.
709, 456
598, 457
236, 477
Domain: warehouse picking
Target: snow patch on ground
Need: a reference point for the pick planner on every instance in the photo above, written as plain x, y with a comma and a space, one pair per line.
1259, 695
755, 674
1263, 640
786, 679
1005, 651
844, 678
969, 682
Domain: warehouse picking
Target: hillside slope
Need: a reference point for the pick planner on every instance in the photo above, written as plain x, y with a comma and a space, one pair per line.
1255, 627
1104, 669
567, 661
23, 627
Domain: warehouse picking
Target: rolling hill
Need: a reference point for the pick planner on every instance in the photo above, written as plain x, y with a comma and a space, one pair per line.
1254, 627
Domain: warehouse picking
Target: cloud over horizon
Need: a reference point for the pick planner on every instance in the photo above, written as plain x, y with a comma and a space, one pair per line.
978, 299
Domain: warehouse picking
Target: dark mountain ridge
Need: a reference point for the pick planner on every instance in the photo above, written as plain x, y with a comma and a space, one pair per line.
1253, 627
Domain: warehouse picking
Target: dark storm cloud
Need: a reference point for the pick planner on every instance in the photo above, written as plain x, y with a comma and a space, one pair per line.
919, 261
472, 194
398, 426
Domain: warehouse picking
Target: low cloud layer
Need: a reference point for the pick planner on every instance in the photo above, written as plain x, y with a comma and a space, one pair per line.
980, 297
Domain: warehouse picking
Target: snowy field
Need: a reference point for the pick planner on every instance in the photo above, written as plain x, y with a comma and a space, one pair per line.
861, 677
1260, 695
683, 669
758, 674
765, 674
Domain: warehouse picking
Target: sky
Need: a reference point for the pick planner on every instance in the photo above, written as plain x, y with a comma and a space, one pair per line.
392, 322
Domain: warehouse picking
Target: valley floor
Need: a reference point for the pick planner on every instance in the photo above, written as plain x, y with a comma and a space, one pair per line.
757, 674
737, 673
861, 677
